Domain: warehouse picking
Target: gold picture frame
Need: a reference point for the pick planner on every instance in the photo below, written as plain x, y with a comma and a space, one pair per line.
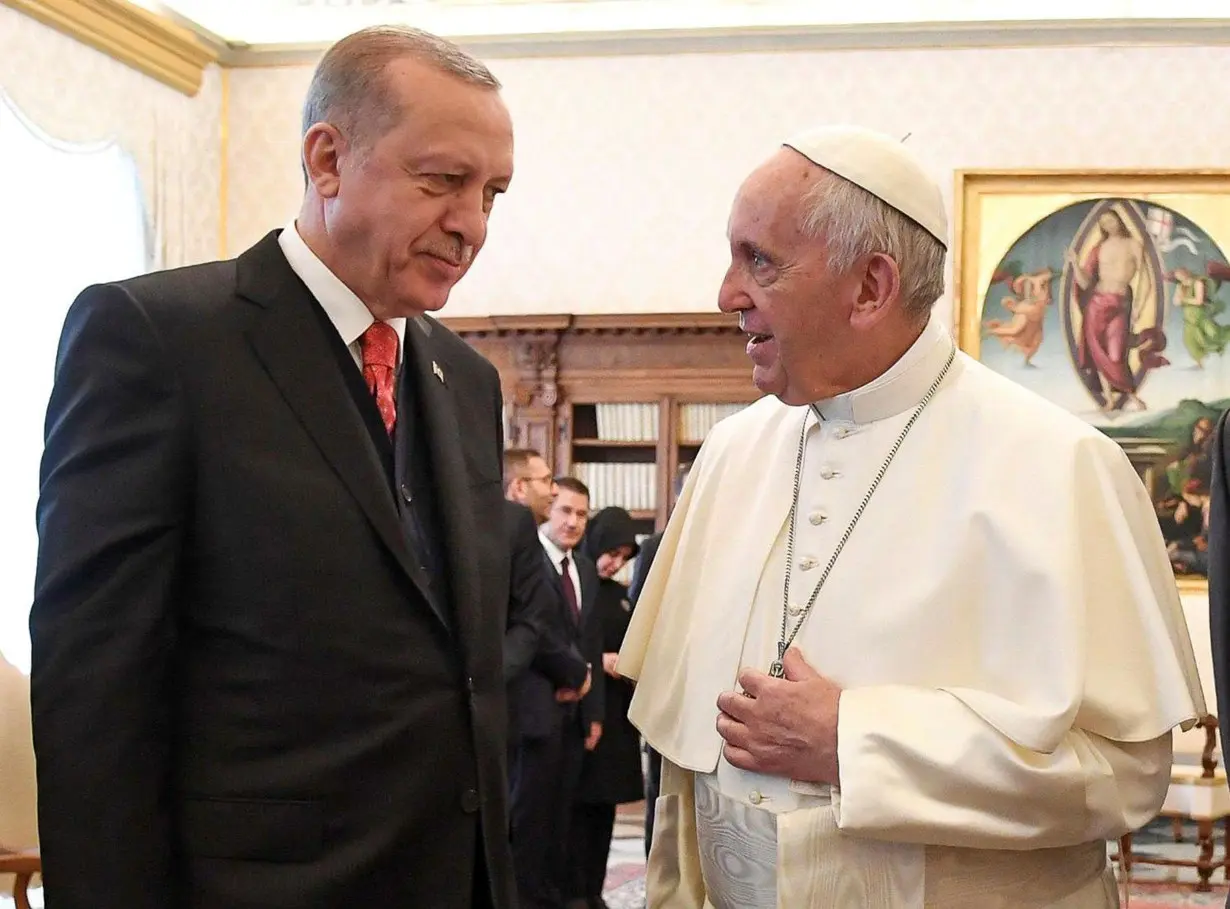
1108, 291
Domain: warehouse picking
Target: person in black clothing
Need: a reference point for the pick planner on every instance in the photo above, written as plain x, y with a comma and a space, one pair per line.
531, 637
649, 549
543, 703
611, 772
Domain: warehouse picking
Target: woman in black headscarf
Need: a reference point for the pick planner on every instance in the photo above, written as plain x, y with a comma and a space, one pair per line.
611, 774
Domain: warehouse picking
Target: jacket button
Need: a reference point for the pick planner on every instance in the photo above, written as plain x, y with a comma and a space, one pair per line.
470, 684
469, 801
406, 494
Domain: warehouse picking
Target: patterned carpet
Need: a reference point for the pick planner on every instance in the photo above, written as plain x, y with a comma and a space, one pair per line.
1153, 886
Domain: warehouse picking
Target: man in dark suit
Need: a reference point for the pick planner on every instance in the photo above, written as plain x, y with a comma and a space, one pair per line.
578, 584
552, 727
532, 636
271, 584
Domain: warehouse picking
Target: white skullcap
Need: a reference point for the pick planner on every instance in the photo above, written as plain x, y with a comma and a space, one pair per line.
882, 166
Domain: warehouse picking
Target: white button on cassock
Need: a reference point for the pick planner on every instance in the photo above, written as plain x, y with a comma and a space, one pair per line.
794, 609
755, 797
827, 473
817, 517
808, 563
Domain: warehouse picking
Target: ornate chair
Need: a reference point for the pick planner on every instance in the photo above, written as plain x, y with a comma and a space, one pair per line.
23, 864
1197, 793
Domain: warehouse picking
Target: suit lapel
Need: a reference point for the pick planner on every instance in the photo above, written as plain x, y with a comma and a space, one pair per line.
288, 338
448, 471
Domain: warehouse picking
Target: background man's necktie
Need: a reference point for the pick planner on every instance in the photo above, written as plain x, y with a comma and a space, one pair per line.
379, 345
570, 592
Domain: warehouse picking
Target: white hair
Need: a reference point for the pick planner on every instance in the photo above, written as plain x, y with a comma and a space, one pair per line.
853, 223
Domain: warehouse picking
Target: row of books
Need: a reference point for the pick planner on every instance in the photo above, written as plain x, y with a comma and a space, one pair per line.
627, 422
639, 422
630, 486
695, 420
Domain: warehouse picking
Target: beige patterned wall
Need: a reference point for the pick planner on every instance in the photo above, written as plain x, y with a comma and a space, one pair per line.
77, 94
626, 165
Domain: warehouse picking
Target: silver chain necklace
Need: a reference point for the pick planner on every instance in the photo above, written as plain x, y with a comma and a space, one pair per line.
777, 670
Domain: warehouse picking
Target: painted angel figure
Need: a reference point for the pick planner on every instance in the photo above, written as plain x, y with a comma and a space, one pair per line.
1196, 297
1024, 331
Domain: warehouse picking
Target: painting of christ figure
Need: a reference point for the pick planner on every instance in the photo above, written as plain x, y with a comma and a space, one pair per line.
1115, 306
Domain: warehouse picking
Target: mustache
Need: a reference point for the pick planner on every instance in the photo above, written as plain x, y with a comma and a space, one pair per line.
454, 253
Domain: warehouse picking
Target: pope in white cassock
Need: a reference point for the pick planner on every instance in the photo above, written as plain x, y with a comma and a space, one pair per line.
912, 638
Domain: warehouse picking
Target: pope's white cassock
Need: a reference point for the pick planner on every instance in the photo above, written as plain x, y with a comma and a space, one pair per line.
1003, 621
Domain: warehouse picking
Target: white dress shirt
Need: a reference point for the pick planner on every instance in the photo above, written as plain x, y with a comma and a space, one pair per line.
349, 315
557, 556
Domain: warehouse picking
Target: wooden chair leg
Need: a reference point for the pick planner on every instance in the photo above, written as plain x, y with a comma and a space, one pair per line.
1204, 864
1125, 851
1176, 828
20, 888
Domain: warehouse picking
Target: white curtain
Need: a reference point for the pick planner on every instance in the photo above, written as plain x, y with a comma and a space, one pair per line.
73, 215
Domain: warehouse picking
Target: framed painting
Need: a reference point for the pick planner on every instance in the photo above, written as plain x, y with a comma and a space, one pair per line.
1108, 292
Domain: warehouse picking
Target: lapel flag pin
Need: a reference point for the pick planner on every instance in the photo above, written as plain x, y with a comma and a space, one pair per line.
435, 368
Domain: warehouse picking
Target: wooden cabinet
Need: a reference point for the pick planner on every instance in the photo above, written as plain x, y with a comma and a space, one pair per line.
618, 401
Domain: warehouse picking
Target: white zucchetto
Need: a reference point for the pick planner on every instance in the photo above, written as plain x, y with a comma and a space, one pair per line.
882, 166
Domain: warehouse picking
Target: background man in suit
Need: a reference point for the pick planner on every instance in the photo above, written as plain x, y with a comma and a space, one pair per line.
534, 636
530, 637
581, 729
266, 658
541, 688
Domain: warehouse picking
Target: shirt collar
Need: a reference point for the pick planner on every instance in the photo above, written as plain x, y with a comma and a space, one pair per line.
899, 388
557, 555
349, 315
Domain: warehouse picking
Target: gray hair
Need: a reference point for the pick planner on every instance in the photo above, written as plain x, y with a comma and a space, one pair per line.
854, 223
349, 88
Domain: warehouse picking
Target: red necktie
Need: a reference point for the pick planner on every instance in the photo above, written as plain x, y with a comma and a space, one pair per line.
570, 592
379, 346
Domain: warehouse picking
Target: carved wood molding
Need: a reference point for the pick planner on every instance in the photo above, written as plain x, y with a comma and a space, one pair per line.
537, 361
604, 323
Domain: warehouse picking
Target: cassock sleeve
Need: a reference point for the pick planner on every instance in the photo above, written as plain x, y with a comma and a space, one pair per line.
920, 766
1069, 740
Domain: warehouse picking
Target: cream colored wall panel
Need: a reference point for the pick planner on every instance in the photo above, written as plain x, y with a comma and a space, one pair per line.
264, 182
626, 166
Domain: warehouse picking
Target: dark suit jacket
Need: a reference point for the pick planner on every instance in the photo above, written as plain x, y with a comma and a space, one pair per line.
241, 694
533, 636
533, 692
1219, 573
593, 705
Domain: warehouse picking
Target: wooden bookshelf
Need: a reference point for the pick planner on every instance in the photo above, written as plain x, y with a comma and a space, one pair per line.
619, 400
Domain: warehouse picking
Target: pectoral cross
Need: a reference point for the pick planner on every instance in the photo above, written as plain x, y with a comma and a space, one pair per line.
777, 669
